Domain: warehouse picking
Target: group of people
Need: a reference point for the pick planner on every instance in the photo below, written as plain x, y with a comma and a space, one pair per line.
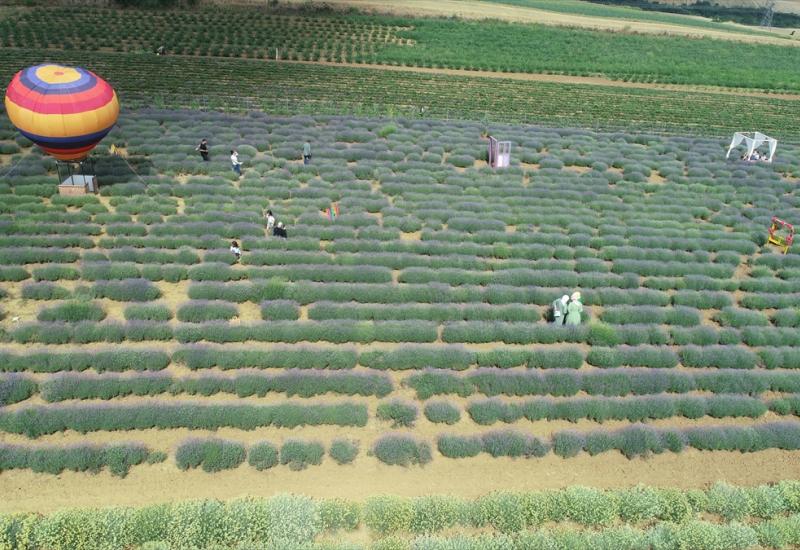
275, 229
567, 310
236, 164
755, 156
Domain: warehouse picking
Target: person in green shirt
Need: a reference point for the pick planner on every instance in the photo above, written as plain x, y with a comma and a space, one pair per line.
560, 310
306, 153
574, 309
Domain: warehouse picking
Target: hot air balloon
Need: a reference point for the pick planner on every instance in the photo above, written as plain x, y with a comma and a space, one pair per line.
64, 110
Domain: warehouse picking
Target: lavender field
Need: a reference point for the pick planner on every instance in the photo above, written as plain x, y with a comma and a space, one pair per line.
408, 340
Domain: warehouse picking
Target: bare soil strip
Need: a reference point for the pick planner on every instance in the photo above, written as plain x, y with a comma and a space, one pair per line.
27, 491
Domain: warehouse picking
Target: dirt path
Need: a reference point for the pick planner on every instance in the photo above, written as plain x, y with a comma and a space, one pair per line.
26, 491
484, 10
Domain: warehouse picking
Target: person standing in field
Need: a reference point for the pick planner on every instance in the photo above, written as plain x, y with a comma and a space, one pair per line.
235, 164
306, 153
270, 221
560, 310
203, 149
574, 309
235, 250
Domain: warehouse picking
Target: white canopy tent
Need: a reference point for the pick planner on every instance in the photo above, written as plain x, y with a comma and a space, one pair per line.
753, 140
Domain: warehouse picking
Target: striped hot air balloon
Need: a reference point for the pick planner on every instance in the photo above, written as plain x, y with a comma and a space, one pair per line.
64, 110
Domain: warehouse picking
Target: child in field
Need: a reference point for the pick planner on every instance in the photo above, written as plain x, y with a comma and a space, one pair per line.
235, 250
235, 164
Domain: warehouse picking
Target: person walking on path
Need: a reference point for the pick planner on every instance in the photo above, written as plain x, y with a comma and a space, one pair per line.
574, 309
235, 164
306, 153
560, 310
203, 148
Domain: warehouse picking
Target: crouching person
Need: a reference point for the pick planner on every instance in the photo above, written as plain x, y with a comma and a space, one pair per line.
560, 310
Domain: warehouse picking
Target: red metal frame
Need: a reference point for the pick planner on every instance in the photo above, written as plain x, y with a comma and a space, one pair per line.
784, 242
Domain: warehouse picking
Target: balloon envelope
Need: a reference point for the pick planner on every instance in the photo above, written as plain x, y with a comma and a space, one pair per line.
64, 110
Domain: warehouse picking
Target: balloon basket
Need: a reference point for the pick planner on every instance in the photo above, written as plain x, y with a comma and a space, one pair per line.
76, 177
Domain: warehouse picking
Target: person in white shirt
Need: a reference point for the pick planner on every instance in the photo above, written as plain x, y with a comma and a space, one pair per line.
235, 250
235, 164
270, 221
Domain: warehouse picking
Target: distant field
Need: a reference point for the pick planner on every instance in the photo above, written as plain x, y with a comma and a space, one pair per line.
495, 45
566, 14
231, 84
622, 12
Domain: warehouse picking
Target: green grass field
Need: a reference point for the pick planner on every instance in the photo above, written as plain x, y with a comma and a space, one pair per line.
232, 84
448, 43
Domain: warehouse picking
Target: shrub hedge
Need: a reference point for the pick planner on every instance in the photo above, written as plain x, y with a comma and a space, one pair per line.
511, 520
41, 420
83, 457
101, 360
213, 455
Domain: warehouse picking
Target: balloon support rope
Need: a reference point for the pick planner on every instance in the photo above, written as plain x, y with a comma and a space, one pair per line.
141, 179
13, 167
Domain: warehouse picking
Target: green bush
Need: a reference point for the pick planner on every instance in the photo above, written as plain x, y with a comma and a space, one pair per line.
280, 310
55, 273
14, 388
401, 450
337, 513
213, 455
147, 312
72, 312
416, 357
435, 513
203, 311
77, 458
298, 454
442, 412
41, 420
127, 290
343, 451
401, 413
387, 514
723, 357
262, 456
502, 511
456, 446
735, 317
44, 291
590, 506
295, 357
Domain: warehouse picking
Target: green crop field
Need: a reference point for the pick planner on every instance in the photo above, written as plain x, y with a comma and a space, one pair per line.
298, 88
390, 377
579, 7
447, 43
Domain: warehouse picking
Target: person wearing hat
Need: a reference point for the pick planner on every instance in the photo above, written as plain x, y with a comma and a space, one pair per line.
574, 309
560, 310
